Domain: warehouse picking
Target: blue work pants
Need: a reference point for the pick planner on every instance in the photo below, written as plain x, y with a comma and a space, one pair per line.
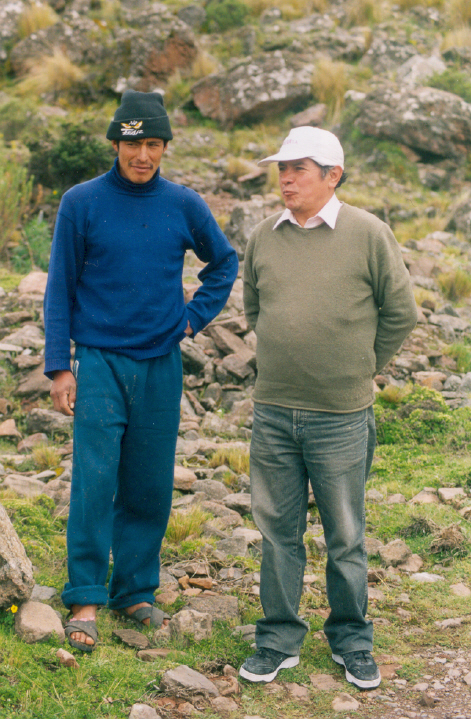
126, 421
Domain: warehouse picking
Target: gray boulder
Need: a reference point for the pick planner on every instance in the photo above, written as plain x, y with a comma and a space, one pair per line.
461, 219
185, 682
254, 89
16, 570
428, 120
48, 421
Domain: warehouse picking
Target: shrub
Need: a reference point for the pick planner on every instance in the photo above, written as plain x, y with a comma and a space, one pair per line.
34, 249
78, 156
51, 75
455, 285
15, 197
289, 10
34, 17
222, 15
453, 80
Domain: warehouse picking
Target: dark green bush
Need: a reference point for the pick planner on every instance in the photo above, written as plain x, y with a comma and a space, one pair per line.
78, 156
221, 15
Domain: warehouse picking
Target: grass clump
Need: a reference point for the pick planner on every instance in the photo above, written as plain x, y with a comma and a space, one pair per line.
46, 457
461, 353
459, 12
34, 17
51, 75
186, 524
363, 12
221, 15
236, 459
461, 37
455, 285
33, 250
453, 80
329, 84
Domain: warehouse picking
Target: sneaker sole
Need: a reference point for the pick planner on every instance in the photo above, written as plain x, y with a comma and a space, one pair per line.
360, 683
287, 664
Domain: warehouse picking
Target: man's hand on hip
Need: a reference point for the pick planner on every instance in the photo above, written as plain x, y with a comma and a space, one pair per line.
63, 392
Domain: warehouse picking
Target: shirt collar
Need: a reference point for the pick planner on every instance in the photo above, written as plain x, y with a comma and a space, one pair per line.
327, 214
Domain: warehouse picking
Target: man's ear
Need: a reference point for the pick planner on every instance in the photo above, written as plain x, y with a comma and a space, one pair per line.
115, 145
335, 175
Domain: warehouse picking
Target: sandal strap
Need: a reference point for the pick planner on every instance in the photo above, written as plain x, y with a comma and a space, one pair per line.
87, 626
155, 615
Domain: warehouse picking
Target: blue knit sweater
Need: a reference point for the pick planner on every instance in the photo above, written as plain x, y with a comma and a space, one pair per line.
115, 274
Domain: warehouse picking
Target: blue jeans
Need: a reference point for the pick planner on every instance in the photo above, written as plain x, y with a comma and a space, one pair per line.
125, 432
334, 451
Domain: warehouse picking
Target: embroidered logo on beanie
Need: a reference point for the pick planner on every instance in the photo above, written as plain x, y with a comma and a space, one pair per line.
133, 127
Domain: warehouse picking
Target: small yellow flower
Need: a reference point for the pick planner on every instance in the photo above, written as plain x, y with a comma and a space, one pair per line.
13, 609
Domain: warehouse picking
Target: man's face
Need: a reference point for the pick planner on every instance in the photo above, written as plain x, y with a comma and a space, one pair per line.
139, 159
304, 190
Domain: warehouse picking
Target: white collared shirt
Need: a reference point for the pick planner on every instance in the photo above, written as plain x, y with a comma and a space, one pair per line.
327, 214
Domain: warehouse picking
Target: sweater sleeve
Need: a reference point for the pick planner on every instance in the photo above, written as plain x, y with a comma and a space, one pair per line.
397, 315
67, 256
213, 247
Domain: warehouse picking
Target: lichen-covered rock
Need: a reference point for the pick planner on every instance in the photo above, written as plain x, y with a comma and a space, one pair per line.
434, 122
16, 570
254, 89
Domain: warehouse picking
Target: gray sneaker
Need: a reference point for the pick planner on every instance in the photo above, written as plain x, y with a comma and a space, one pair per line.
265, 664
360, 669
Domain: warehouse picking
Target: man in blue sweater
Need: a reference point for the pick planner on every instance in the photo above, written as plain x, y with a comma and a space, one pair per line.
115, 288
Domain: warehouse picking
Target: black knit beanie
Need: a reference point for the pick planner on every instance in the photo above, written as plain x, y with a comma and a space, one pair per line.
141, 114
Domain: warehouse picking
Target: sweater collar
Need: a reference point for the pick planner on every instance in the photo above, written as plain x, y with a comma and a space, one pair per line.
136, 188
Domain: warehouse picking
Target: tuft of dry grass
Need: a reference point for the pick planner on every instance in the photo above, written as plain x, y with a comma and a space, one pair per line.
364, 12
289, 10
408, 4
34, 17
459, 13
238, 166
45, 457
238, 460
204, 65
329, 84
448, 539
186, 524
392, 395
461, 37
51, 75
455, 285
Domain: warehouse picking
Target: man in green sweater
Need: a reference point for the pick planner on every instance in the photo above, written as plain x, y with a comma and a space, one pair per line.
330, 300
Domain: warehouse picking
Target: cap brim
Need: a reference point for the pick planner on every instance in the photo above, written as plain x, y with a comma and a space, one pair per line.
289, 156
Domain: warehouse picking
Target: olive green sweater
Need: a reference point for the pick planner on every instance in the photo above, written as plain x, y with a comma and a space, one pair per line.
330, 307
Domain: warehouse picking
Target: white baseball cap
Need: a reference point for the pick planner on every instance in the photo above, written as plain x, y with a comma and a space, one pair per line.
319, 145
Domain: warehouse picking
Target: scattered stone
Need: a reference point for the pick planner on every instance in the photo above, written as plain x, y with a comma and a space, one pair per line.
8, 429
396, 499
460, 590
33, 284
186, 683
37, 622
447, 623
42, 594
219, 607
426, 577
27, 444
428, 495
344, 703
143, 711
450, 494
394, 553
184, 478
48, 421
191, 622
373, 495
324, 682
16, 570
412, 564
376, 595
224, 704
372, 546
152, 655
297, 692
23, 486
67, 659
132, 638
